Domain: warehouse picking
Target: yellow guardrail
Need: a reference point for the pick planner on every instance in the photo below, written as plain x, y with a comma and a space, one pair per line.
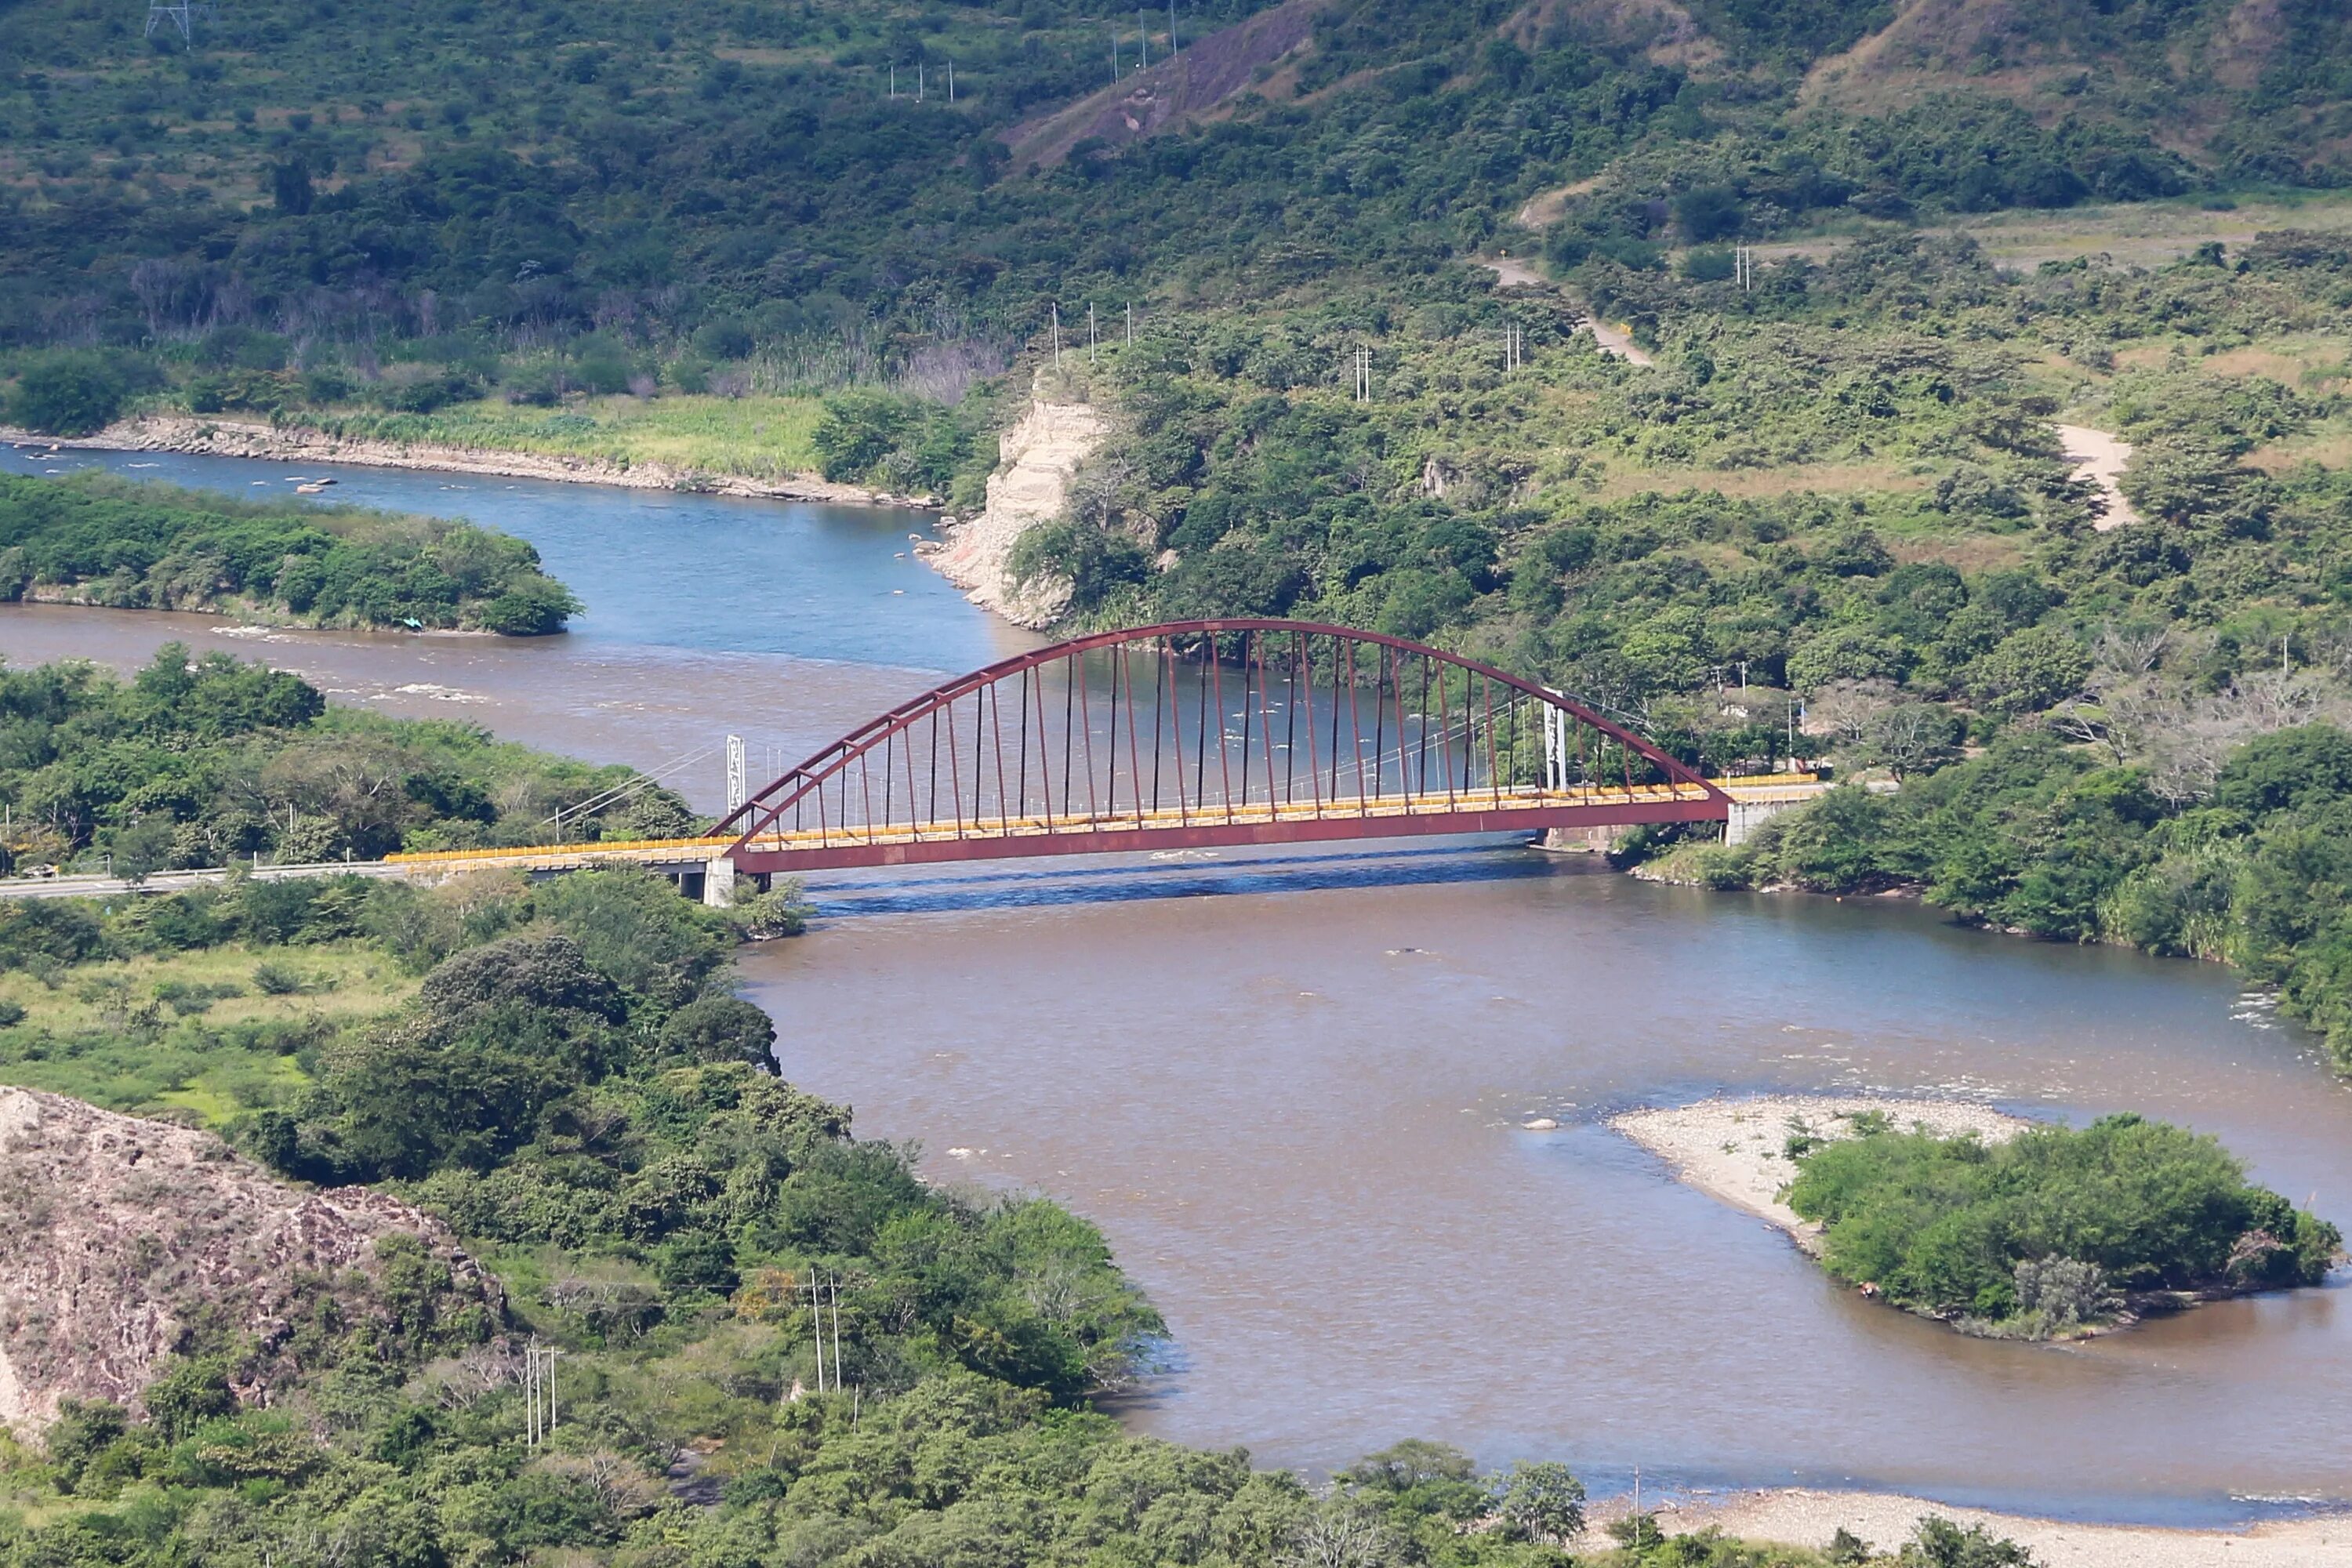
635, 846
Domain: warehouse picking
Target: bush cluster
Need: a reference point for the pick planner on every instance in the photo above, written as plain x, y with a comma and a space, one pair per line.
147, 546
2026, 1234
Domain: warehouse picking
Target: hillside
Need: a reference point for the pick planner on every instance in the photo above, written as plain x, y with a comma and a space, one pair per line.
2244, 89
128, 1238
295, 210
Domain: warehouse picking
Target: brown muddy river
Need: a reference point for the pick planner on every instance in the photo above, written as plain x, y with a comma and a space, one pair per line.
1289, 1086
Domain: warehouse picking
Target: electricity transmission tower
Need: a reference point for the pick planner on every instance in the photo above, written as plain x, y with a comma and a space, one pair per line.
181, 14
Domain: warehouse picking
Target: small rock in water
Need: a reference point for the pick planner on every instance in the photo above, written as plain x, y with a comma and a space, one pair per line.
1541, 1124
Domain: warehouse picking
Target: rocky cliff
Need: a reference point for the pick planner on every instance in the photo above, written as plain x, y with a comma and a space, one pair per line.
118, 1236
1037, 459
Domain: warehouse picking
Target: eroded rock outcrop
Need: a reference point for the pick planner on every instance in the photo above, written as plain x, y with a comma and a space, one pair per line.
1037, 459
117, 1236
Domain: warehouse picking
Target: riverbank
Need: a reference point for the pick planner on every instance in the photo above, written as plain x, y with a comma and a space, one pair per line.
1799, 1517
1735, 1150
215, 437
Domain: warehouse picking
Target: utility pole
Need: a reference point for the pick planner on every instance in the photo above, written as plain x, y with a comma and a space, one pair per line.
918, 81
894, 81
1114, 57
1093, 339
1057, 336
1363, 375
834, 1285
1172, 50
951, 82
538, 1392
816, 1313
1130, 323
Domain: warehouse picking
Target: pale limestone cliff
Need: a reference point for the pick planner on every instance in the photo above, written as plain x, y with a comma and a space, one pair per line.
118, 1234
1037, 459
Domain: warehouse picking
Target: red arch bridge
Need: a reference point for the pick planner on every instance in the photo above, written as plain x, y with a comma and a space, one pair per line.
1191, 735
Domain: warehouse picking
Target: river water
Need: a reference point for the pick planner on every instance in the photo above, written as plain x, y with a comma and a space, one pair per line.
1289, 1086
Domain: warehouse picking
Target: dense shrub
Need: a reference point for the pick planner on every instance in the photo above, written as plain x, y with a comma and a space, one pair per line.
67, 394
1955, 1227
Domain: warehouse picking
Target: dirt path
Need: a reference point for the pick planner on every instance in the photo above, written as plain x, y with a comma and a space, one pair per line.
1514, 272
1511, 272
1614, 341
2099, 458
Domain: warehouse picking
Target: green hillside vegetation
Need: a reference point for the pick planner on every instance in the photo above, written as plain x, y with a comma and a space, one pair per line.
96, 539
296, 213
1837, 503
197, 762
2052, 1232
561, 1073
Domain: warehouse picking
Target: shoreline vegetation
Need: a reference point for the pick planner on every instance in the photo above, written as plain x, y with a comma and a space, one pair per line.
104, 540
1996, 1225
207, 761
1809, 1516
609, 1201
199, 435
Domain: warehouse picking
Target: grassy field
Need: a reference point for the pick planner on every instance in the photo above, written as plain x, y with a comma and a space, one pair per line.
201, 1036
762, 437
2144, 234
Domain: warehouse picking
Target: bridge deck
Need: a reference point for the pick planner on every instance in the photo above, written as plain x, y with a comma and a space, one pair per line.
837, 845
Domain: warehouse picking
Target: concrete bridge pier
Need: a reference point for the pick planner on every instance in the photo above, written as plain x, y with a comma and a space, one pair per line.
1583, 840
1748, 816
719, 883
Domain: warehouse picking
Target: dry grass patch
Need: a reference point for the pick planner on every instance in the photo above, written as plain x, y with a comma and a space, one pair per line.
2278, 366
1969, 552
1764, 484
2329, 450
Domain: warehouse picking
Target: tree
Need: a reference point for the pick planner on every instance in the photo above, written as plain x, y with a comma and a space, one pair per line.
543, 972
67, 394
1342, 1532
187, 1395
143, 848
290, 188
858, 430
1910, 738
1542, 1502
721, 1029
1938, 1542
2031, 670
2291, 770
534, 607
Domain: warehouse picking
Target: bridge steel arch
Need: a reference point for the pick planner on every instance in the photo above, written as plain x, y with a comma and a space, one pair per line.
1200, 733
